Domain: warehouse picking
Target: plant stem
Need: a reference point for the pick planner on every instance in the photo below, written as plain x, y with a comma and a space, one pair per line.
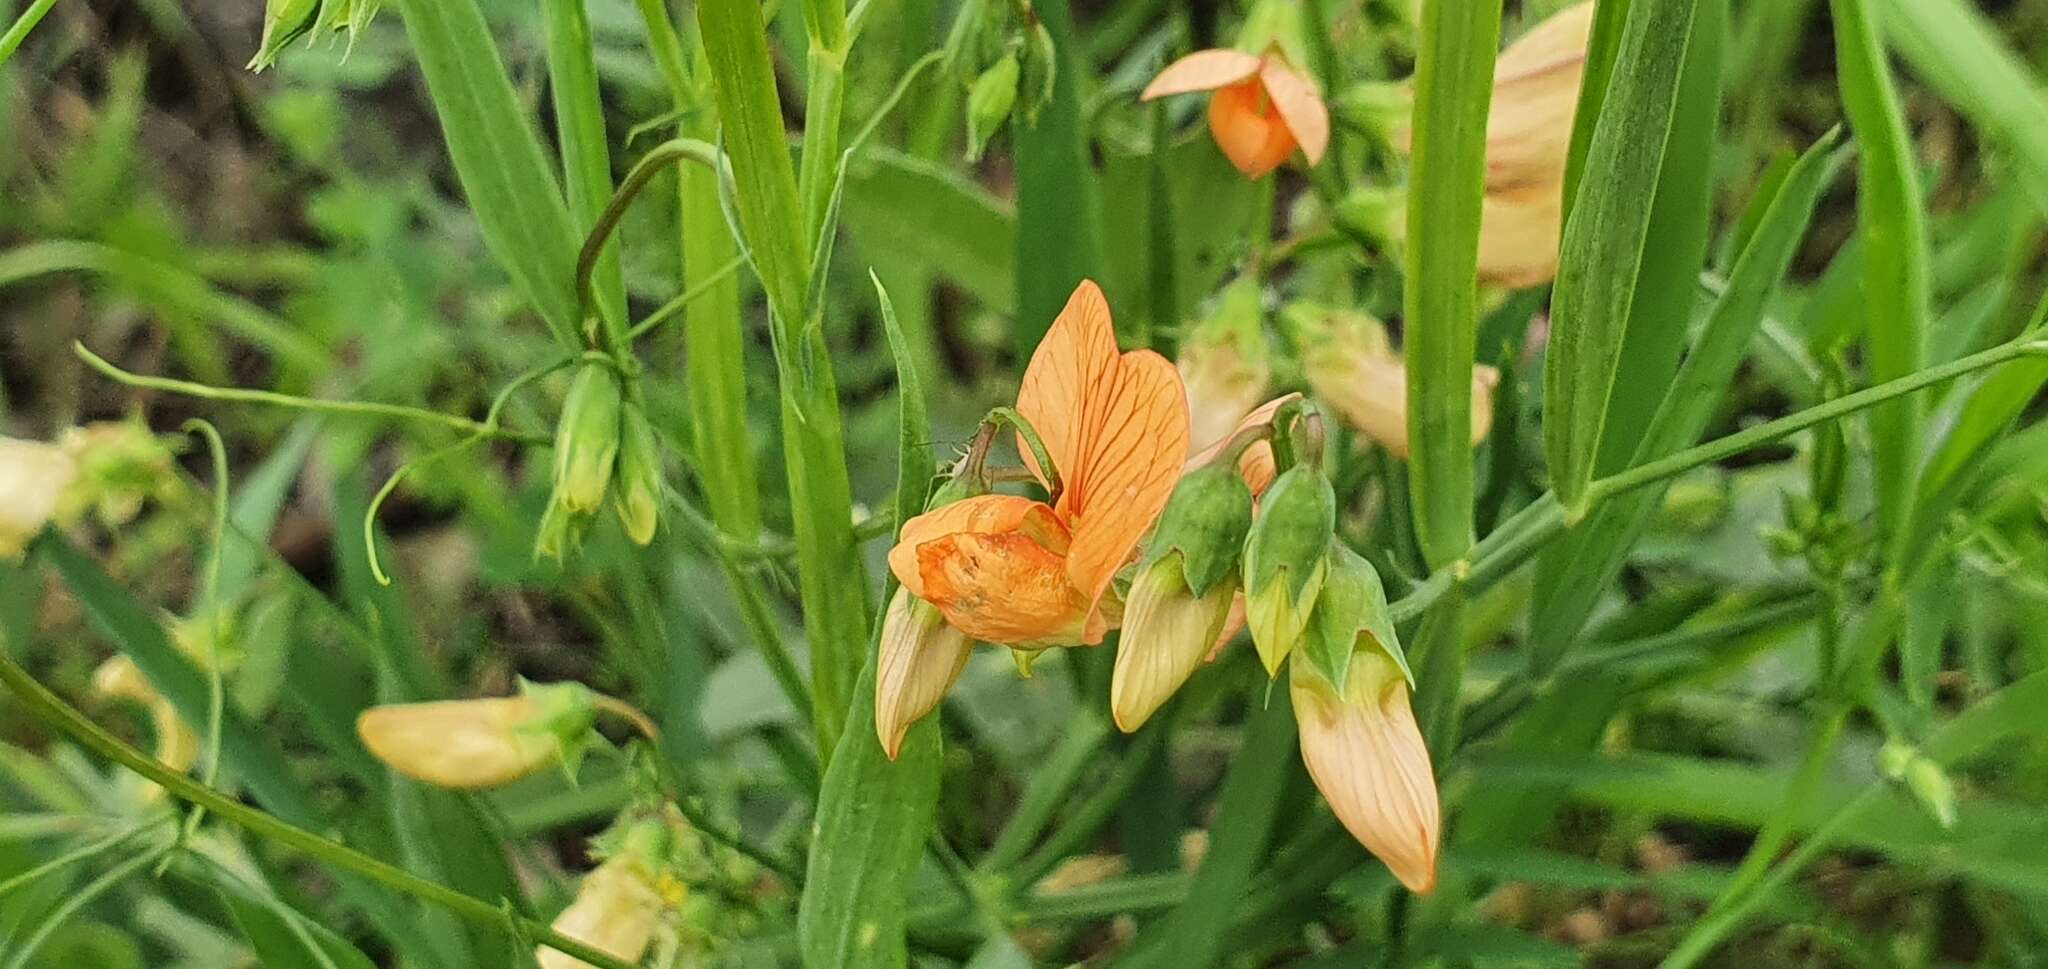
22, 25
52, 709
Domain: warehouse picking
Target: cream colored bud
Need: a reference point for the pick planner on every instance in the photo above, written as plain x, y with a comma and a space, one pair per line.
461, 744
1168, 633
1278, 614
177, 747
1365, 753
615, 912
1349, 364
1224, 366
33, 480
919, 659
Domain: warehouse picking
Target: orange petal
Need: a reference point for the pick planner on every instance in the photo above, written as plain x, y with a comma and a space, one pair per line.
1257, 464
1002, 588
1203, 70
1300, 106
1365, 753
982, 514
1249, 129
1117, 427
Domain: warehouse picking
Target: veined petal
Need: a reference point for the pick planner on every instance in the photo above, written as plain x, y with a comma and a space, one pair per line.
1004, 588
982, 515
1203, 70
919, 659
1117, 427
1300, 106
1167, 634
1519, 229
1365, 753
1257, 464
459, 744
1535, 99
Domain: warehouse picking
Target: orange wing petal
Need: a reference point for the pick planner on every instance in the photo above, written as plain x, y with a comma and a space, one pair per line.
1117, 426
1300, 105
1203, 70
1002, 588
982, 514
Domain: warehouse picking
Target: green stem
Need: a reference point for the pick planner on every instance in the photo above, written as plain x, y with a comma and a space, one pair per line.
22, 25
350, 407
50, 708
1544, 519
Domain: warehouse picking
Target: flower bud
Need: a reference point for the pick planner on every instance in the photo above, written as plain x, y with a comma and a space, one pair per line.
989, 102
1924, 779
638, 496
34, 478
1169, 630
1285, 561
177, 747
470, 744
616, 911
1351, 618
1347, 360
120, 465
919, 658
1223, 363
587, 439
1206, 521
1365, 753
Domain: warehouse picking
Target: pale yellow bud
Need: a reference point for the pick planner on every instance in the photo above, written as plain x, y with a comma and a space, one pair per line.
1365, 753
176, 745
33, 479
461, 744
1347, 361
615, 912
1168, 633
919, 658
1223, 364
1278, 615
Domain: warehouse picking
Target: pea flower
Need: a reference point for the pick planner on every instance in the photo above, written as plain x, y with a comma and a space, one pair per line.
1260, 110
1350, 365
34, 477
1365, 753
1180, 600
1019, 572
919, 658
616, 912
481, 743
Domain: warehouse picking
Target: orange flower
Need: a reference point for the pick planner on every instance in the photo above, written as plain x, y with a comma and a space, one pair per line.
1365, 753
1261, 109
1019, 572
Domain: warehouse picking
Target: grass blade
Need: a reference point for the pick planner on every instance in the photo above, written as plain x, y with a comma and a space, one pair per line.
1059, 240
586, 156
1605, 239
1453, 90
1956, 51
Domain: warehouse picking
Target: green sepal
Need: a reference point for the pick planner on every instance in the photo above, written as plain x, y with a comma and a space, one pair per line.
1207, 521
587, 438
1297, 519
1352, 615
564, 712
989, 102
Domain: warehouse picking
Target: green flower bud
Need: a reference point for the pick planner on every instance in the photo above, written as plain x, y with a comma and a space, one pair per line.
1206, 521
284, 21
989, 102
638, 497
587, 439
1932, 788
1376, 212
1286, 560
1351, 618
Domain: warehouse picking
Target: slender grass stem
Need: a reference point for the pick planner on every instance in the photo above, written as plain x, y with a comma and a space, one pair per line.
11, 41
356, 408
51, 709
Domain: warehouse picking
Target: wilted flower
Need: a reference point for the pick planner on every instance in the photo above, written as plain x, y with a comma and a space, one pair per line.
1286, 560
1261, 108
33, 479
1347, 360
1019, 572
1223, 364
919, 658
1180, 602
1365, 753
469, 744
616, 912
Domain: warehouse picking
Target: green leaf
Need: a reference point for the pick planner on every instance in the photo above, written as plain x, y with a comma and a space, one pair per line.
873, 818
1059, 236
1605, 239
743, 81
1453, 90
586, 156
1959, 53
715, 359
928, 215
1193, 935
914, 461
1894, 232
1603, 46
1573, 573
284, 939
497, 157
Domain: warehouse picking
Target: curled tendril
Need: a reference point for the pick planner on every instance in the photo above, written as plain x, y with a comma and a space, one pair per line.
488, 428
210, 600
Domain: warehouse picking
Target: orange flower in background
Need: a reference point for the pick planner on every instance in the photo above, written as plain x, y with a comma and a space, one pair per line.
1261, 110
1020, 572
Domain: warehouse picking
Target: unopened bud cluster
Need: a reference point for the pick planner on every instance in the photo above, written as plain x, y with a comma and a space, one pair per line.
604, 446
1008, 66
107, 470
